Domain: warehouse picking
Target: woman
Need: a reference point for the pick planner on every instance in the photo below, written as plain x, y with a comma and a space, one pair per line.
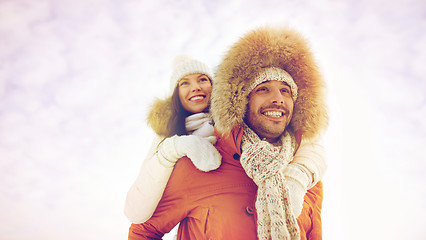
185, 112
192, 86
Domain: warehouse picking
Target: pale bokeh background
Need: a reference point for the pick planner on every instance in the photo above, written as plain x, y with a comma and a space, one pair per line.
77, 76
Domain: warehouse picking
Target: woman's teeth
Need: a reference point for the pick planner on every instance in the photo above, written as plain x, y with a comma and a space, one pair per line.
196, 98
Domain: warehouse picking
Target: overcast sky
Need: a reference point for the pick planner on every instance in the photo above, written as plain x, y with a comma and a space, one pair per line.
77, 76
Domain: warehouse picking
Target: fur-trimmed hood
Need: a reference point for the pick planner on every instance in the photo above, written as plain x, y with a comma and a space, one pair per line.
269, 47
159, 116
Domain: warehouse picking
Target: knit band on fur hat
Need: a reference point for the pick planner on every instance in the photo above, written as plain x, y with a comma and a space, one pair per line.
275, 74
185, 65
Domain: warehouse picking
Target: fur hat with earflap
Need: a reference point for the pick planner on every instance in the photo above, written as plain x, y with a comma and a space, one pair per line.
269, 48
161, 111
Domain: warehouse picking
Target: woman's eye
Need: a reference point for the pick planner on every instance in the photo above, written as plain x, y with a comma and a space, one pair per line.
203, 79
183, 83
261, 89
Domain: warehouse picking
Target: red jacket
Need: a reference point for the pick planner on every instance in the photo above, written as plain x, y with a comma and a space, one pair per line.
218, 204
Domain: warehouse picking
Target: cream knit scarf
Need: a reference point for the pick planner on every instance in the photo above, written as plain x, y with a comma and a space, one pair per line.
264, 163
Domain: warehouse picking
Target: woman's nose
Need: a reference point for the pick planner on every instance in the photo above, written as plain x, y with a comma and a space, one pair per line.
196, 87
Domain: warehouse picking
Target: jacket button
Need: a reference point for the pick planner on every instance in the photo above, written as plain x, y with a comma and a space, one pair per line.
249, 211
236, 156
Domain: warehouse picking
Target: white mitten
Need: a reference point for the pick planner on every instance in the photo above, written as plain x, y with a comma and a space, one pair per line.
199, 124
297, 182
200, 150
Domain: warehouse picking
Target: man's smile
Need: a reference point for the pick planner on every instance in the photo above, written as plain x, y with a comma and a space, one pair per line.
273, 113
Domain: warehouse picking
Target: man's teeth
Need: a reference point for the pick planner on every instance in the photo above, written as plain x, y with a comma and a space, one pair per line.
273, 114
196, 98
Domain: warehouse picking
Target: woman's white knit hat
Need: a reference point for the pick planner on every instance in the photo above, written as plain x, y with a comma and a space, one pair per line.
185, 65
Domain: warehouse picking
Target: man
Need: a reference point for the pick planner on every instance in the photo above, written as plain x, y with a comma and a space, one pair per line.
267, 94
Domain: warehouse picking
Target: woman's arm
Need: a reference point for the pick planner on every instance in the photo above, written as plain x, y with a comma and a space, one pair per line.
305, 171
171, 209
146, 191
310, 158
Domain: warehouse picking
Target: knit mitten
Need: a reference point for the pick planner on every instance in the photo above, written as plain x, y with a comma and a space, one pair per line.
200, 150
297, 182
199, 124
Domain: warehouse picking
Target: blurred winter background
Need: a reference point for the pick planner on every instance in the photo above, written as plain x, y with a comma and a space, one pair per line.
77, 76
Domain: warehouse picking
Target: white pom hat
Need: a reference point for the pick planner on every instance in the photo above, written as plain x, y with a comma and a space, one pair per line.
185, 65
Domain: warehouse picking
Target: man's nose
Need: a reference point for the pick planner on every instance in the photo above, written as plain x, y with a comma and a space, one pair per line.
277, 97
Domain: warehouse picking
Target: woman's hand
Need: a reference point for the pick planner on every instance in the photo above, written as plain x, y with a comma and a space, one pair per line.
200, 150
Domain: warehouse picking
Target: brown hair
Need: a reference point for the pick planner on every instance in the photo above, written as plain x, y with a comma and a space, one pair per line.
176, 123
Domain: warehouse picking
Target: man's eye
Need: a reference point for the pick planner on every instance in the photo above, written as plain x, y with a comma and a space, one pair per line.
285, 90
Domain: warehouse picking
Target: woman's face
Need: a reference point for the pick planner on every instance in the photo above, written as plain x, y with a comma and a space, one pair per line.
194, 92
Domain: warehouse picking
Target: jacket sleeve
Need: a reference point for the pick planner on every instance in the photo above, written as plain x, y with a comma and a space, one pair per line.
311, 158
168, 214
310, 219
145, 193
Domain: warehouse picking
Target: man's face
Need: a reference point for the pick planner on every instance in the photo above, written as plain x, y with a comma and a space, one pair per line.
270, 108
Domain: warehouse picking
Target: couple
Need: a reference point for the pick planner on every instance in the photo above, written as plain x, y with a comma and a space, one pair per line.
252, 171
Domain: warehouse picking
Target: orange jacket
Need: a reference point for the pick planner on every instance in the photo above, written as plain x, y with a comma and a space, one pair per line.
218, 204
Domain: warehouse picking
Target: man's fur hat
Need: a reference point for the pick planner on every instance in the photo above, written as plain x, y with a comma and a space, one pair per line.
269, 47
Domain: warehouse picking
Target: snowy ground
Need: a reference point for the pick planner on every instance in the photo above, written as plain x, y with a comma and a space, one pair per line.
76, 77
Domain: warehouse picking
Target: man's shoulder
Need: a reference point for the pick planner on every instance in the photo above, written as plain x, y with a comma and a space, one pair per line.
232, 138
